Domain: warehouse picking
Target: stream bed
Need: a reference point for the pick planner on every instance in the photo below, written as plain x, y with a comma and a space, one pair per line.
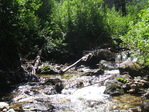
79, 94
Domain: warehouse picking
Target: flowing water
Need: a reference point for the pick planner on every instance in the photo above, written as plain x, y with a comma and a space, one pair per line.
87, 98
72, 98
80, 94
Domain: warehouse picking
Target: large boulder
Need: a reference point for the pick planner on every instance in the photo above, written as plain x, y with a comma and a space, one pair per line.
130, 67
101, 54
57, 83
114, 88
109, 65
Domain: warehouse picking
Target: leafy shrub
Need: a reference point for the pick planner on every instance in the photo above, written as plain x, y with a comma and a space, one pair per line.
81, 25
117, 23
137, 38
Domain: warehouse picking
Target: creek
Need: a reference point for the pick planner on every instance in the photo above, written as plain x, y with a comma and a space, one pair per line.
80, 93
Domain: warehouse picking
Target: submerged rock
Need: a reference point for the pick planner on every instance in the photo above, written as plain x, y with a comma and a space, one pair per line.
37, 107
58, 85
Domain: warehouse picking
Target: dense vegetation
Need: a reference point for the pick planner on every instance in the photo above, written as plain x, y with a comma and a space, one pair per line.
63, 29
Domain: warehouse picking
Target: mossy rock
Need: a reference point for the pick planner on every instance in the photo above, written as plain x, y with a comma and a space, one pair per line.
114, 88
131, 68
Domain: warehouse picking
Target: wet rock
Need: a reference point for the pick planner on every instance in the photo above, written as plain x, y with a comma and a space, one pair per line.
132, 68
105, 54
57, 83
29, 78
11, 110
134, 110
93, 72
109, 65
37, 107
4, 105
83, 68
100, 54
145, 104
80, 84
146, 95
136, 85
52, 81
113, 88
59, 87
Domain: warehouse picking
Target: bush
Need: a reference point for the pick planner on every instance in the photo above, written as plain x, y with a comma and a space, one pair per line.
137, 38
81, 25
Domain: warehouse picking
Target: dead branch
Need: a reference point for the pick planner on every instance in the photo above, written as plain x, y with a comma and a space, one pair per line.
36, 62
84, 58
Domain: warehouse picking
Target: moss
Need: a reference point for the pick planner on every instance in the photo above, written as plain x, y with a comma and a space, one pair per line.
120, 79
45, 68
136, 67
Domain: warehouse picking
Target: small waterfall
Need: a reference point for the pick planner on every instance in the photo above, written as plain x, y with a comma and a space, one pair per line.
126, 56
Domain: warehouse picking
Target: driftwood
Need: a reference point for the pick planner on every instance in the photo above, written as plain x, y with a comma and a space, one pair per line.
36, 62
84, 58
31, 66
99, 53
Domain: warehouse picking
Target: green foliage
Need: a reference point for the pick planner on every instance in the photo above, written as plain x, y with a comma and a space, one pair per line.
70, 26
118, 24
29, 27
8, 22
80, 24
137, 38
19, 25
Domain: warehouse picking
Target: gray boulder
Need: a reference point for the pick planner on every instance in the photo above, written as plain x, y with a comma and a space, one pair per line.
133, 69
114, 88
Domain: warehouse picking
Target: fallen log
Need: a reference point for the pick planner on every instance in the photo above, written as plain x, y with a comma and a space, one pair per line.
100, 54
84, 58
